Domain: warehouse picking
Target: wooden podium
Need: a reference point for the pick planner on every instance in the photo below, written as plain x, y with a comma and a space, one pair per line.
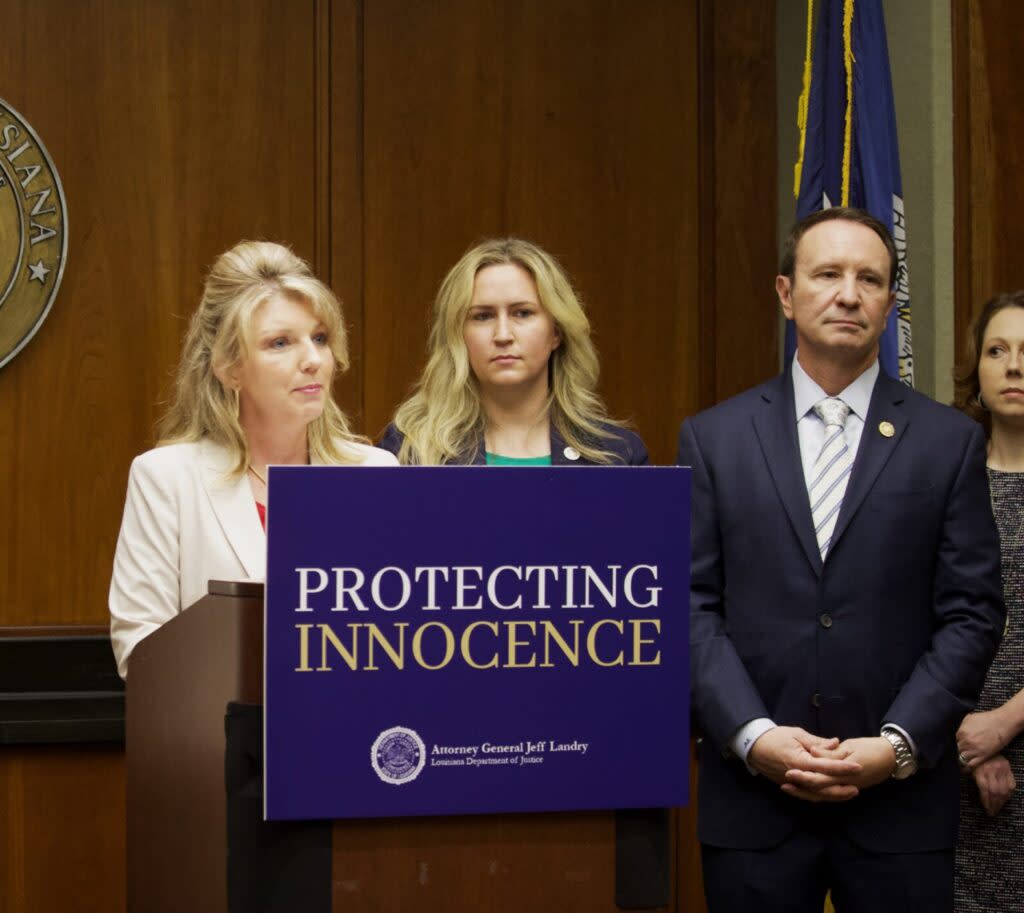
182, 679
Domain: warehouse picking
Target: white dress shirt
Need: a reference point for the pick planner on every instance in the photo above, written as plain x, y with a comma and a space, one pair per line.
810, 429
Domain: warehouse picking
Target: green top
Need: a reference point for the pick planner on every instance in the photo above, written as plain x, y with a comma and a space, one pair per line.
496, 459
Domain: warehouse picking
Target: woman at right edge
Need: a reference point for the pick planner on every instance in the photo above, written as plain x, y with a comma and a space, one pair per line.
990, 388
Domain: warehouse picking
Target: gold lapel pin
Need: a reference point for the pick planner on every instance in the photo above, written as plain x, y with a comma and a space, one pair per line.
886, 428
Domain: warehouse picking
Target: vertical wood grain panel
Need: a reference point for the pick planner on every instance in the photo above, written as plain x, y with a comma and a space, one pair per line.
961, 53
347, 215
62, 836
571, 123
742, 235
177, 128
988, 159
322, 130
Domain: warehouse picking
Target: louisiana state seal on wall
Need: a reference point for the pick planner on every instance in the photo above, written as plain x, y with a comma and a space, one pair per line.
33, 232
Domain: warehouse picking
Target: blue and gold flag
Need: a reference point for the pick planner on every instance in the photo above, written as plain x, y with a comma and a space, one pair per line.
849, 154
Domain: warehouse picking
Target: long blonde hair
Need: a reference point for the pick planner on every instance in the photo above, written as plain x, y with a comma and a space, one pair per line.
239, 281
443, 421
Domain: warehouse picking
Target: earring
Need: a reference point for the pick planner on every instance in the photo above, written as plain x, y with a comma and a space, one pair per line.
980, 401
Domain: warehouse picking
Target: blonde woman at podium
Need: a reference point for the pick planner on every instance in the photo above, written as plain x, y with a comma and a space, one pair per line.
511, 374
253, 388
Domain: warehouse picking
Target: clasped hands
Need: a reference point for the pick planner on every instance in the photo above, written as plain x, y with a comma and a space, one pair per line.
816, 769
979, 741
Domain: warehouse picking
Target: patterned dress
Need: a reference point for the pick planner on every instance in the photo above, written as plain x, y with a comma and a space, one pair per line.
990, 851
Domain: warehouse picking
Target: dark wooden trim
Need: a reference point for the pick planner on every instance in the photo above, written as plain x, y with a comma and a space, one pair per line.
55, 631
708, 303
738, 171
960, 13
347, 244
59, 684
246, 589
322, 138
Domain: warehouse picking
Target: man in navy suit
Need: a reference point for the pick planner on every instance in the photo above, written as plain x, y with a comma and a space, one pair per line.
845, 605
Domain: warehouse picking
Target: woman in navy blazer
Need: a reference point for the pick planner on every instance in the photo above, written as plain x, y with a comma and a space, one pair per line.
511, 374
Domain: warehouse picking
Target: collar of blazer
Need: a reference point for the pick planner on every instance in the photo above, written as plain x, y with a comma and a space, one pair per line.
559, 453
234, 507
775, 426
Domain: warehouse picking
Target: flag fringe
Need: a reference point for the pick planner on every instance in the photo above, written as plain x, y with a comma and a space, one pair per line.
848, 65
804, 101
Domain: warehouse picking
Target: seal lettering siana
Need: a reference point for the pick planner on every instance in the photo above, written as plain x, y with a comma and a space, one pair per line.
33, 232
398, 755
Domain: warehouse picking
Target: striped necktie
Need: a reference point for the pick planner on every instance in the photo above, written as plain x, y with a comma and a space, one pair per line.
831, 471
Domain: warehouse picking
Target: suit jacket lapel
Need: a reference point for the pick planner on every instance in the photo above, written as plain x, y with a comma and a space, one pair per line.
558, 449
874, 449
775, 425
234, 508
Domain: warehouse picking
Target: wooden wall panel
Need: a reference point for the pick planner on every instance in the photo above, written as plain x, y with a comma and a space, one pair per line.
380, 138
62, 829
572, 123
346, 191
739, 181
177, 128
988, 156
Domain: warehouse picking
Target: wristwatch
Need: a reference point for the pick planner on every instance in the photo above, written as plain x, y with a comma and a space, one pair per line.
905, 762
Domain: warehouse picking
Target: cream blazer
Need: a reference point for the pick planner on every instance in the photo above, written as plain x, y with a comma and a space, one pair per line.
185, 524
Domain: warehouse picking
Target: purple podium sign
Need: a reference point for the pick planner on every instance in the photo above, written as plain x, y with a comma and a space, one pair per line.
452, 640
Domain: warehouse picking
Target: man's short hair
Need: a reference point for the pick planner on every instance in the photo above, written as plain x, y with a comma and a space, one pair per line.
787, 266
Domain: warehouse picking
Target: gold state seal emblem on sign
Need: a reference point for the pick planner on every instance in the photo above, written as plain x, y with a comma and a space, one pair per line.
33, 232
